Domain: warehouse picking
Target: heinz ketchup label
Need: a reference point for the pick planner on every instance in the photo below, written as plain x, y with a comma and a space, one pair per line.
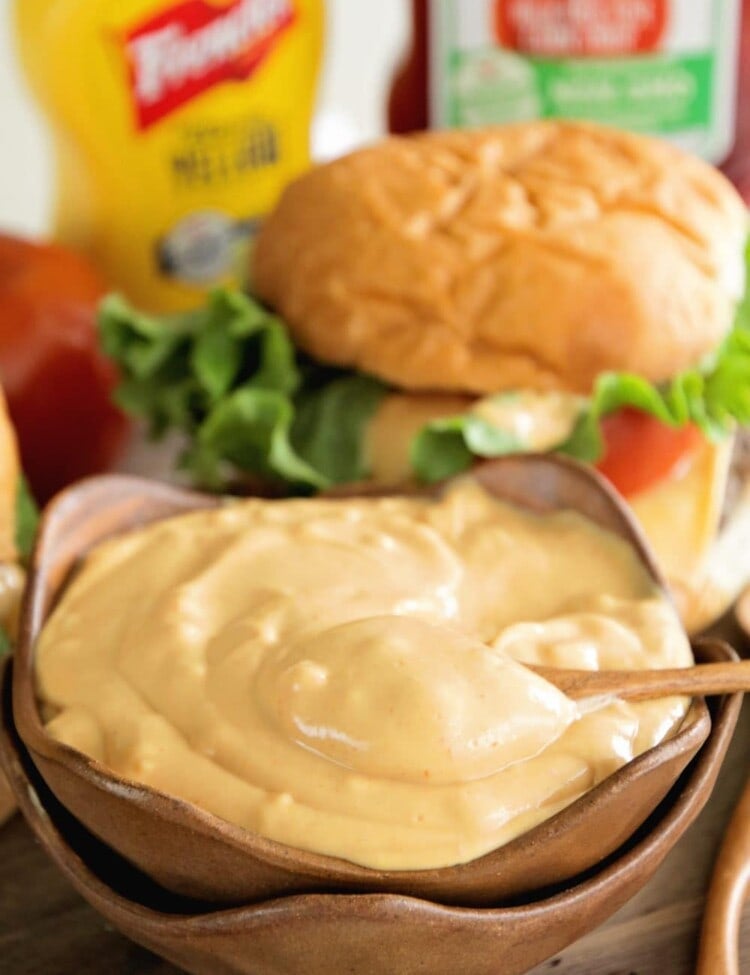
666, 67
588, 27
187, 49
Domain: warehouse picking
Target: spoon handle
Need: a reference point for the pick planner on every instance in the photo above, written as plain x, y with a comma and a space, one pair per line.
730, 887
638, 685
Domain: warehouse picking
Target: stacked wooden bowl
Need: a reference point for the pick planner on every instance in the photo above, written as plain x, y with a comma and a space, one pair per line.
214, 898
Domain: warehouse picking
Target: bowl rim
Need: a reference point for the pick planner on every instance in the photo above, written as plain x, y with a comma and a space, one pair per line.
129, 495
647, 852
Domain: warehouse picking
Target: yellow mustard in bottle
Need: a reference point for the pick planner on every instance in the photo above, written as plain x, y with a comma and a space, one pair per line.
176, 123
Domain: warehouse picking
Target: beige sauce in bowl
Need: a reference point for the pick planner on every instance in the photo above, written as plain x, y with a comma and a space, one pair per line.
347, 676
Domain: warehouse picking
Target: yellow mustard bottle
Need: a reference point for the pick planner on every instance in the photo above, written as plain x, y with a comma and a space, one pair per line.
177, 123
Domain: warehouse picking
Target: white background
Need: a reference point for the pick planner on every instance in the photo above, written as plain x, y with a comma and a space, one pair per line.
365, 38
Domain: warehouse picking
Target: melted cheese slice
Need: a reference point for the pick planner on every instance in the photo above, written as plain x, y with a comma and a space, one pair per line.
681, 514
680, 517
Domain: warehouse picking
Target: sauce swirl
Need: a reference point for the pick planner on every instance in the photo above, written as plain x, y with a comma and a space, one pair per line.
347, 676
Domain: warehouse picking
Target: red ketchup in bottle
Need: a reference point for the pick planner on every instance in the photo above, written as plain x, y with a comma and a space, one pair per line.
679, 69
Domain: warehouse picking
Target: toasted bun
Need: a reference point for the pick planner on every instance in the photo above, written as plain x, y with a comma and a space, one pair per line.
535, 255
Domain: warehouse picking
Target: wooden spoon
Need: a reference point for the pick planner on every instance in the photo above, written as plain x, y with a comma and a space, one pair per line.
640, 685
730, 884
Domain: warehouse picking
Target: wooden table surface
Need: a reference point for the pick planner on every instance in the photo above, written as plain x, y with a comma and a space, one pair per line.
46, 929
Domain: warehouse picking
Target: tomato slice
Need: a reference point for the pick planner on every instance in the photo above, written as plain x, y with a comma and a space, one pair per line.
641, 450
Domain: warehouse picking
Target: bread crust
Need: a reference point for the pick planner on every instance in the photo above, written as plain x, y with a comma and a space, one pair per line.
534, 255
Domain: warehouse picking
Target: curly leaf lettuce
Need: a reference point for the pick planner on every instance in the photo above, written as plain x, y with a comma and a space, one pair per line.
449, 446
228, 378
329, 428
715, 399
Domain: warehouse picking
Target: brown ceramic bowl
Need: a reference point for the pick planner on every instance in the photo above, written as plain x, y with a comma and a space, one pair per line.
193, 853
741, 615
375, 934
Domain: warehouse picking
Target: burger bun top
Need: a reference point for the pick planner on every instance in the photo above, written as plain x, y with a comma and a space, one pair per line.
534, 255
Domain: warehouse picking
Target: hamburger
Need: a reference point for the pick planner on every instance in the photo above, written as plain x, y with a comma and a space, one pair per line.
550, 286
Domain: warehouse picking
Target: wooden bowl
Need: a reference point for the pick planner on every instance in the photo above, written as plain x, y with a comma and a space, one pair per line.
741, 611
193, 853
370, 934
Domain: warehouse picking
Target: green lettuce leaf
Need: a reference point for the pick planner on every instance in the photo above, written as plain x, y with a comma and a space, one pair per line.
329, 429
447, 447
228, 378
27, 520
250, 432
715, 398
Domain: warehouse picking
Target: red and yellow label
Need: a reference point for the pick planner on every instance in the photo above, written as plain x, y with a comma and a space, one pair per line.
189, 48
581, 27
177, 123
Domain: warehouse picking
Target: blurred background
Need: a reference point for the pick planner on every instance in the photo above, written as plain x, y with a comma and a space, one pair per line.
364, 40
173, 126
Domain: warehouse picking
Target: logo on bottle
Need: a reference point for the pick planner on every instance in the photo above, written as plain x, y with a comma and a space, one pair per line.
193, 46
558, 28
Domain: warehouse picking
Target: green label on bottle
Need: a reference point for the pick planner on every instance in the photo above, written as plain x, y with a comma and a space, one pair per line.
677, 79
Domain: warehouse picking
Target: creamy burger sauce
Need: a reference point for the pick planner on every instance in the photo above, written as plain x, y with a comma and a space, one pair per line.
340, 676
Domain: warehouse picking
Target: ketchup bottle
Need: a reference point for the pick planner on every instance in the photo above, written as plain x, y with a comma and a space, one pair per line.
679, 69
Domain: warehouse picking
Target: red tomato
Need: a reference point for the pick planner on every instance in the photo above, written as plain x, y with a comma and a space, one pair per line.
57, 382
640, 450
